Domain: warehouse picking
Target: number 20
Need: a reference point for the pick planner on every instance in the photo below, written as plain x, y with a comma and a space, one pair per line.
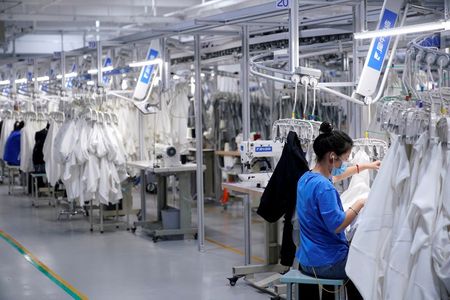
282, 3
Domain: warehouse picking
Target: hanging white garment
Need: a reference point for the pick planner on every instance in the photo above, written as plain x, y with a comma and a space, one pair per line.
372, 239
26, 146
52, 167
359, 186
441, 240
7, 128
400, 261
423, 281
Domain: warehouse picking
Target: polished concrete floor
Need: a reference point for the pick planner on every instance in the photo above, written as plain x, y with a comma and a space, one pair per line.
118, 264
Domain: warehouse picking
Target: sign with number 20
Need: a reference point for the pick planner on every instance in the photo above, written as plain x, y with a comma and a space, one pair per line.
282, 3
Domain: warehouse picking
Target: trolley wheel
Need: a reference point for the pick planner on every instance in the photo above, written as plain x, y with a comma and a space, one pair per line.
92, 229
101, 231
155, 239
233, 280
117, 226
195, 236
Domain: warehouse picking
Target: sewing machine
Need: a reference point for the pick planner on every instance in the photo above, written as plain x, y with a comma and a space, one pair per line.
168, 155
252, 151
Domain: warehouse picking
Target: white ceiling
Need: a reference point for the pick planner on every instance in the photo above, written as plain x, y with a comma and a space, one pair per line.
36, 25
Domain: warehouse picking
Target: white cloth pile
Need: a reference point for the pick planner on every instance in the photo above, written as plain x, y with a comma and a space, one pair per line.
89, 158
401, 249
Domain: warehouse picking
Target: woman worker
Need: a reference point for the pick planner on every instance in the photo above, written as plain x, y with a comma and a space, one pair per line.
323, 247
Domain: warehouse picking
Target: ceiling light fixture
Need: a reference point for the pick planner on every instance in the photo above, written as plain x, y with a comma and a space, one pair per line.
434, 26
105, 69
5, 82
21, 80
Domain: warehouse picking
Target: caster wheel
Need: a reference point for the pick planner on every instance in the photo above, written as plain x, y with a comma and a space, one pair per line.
92, 230
32, 204
195, 236
49, 204
233, 280
133, 229
101, 231
155, 239
128, 229
117, 226
275, 298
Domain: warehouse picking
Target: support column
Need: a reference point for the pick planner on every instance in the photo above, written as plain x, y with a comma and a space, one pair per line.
293, 36
63, 63
99, 63
245, 97
199, 140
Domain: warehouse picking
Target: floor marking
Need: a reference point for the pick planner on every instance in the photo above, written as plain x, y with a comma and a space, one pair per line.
67, 287
234, 250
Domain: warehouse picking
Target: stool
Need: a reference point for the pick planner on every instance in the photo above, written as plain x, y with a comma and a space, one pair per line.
296, 277
35, 188
13, 171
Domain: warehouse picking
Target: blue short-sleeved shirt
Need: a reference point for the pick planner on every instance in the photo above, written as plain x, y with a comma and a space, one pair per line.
320, 212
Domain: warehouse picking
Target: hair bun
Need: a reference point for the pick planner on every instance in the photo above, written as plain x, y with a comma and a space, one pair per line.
326, 128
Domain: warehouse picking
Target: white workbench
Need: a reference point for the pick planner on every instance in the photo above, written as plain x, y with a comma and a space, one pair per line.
183, 173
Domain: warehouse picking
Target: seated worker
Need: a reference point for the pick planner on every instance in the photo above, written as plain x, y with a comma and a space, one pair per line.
323, 246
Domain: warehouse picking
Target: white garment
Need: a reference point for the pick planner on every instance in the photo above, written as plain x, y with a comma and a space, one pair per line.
26, 146
7, 128
441, 240
52, 167
359, 186
423, 281
400, 261
372, 239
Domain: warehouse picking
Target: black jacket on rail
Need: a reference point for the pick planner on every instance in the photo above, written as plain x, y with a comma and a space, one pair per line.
280, 196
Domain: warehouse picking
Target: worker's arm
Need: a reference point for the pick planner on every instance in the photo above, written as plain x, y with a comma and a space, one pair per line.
352, 170
351, 214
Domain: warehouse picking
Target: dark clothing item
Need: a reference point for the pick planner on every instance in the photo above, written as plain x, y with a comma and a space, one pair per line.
280, 196
19, 125
12, 149
38, 155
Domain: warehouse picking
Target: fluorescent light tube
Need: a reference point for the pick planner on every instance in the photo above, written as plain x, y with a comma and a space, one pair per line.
21, 80
71, 74
155, 61
434, 26
5, 82
68, 75
90, 82
105, 69
42, 78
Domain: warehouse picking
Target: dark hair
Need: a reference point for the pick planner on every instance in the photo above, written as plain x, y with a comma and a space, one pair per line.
331, 140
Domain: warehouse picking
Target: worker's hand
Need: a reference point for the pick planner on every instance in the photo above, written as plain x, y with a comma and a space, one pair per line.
374, 165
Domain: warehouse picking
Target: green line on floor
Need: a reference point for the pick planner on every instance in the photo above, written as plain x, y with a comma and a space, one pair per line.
69, 289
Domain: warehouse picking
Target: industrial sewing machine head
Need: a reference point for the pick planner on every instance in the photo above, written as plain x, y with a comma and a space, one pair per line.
259, 159
167, 155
